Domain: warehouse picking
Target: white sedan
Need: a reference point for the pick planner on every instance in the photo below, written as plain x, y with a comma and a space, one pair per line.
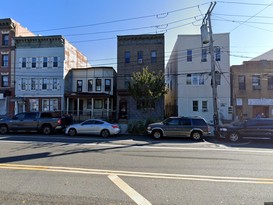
93, 127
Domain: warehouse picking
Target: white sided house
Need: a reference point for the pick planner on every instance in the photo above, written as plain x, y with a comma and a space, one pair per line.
42, 63
188, 77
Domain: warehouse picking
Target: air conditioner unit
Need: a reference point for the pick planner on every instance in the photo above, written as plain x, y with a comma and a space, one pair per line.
139, 61
204, 110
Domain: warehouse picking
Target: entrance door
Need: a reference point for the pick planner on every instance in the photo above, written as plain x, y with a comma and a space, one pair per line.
260, 111
123, 110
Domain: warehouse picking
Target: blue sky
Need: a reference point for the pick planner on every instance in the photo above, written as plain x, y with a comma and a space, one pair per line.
92, 26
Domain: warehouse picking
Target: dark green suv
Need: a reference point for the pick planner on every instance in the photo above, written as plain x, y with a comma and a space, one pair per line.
192, 127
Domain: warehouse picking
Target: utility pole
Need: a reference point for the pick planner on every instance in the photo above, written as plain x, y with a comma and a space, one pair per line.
206, 33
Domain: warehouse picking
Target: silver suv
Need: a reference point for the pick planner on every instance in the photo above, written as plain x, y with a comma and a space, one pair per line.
193, 127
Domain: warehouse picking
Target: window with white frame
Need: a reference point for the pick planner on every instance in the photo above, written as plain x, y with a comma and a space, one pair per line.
24, 62
217, 54
5, 39
55, 84
45, 84
153, 56
5, 60
204, 55
90, 85
50, 104
256, 82
79, 85
189, 55
5, 81
195, 79
98, 84
107, 85
33, 105
195, 105
45, 60
55, 62
204, 105
34, 63
23, 84
33, 84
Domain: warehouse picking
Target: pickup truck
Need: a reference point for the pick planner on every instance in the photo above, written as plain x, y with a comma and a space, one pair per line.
44, 122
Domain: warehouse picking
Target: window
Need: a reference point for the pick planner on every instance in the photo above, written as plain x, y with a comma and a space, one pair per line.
127, 81
189, 55
55, 84
5, 81
139, 57
217, 54
127, 56
270, 83
33, 105
5, 60
23, 84
107, 85
185, 122
45, 62
89, 103
153, 57
79, 85
33, 84
98, 104
98, 84
90, 85
5, 39
195, 79
55, 62
44, 84
24, 62
204, 55
195, 105
45, 104
242, 82
33, 64
205, 106
54, 105
256, 82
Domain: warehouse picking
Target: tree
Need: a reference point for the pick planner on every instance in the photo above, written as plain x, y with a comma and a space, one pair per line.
147, 87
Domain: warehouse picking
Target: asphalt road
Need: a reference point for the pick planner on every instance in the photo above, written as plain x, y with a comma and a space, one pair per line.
37, 169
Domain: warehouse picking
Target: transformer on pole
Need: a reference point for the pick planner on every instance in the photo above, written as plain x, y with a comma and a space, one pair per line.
206, 37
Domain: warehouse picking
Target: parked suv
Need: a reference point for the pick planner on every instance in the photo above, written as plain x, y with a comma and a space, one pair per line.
193, 127
254, 128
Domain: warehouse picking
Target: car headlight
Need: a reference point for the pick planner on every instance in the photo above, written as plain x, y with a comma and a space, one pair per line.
223, 129
148, 128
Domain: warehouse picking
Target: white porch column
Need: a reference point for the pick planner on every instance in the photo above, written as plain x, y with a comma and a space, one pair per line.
92, 108
108, 106
78, 106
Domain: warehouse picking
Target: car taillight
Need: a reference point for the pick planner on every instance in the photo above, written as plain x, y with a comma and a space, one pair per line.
115, 126
59, 121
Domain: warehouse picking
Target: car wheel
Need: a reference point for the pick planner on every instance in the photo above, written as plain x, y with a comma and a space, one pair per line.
196, 135
3, 129
72, 132
105, 133
233, 137
157, 134
47, 129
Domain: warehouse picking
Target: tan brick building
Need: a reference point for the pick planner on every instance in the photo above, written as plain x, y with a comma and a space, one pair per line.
252, 89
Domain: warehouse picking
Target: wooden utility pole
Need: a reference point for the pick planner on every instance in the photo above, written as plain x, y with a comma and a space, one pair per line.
209, 39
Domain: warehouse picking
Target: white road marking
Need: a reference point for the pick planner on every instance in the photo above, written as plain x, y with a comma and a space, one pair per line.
135, 196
